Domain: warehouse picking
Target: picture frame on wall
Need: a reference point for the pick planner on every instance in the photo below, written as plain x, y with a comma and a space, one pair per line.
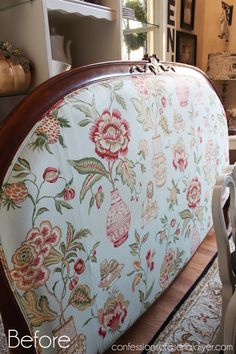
186, 48
187, 14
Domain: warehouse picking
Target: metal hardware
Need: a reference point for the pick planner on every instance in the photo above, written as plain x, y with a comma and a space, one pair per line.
154, 65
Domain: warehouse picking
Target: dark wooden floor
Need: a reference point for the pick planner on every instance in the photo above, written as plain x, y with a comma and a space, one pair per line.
146, 327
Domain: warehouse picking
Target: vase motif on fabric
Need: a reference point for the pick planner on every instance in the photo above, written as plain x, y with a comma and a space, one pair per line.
118, 220
159, 167
77, 342
149, 206
182, 91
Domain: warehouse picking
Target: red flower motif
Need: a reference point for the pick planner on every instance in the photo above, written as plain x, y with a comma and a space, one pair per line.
94, 253
210, 150
79, 266
182, 91
163, 101
169, 257
51, 174
199, 134
73, 282
111, 135
177, 232
99, 197
102, 332
149, 259
162, 235
140, 84
28, 261
68, 194
164, 279
180, 157
194, 193
113, 314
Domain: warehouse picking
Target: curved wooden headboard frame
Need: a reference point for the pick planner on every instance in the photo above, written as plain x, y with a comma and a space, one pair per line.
15, 128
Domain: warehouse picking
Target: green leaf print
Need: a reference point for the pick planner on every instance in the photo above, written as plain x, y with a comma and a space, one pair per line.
41, 211
125, 169
144, 114
88, 183
24, 163
80, 297
85, 122
120, 100
84, 109
89, 165
185, 214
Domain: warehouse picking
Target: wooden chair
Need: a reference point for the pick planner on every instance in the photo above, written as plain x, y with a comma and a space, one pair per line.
226, 255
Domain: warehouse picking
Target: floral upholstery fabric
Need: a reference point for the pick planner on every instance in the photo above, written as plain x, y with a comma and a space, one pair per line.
107, 199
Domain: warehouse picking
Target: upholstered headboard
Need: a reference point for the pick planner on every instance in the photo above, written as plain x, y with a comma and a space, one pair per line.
106, 181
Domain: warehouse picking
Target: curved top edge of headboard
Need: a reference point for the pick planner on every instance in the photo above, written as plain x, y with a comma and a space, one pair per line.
26, 114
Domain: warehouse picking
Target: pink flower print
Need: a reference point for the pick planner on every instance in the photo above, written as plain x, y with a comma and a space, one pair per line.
51, 174
137, 265
79, 266
182, 91
163, 101
210, 150
164, 279
199, 131
45, 235
112, 315
180, 160
162, 235
73, 282
102, 332
68, 193
169, 258
28, 260
99, 197
111, 135
194, 193
177, 232
149, 259
140, 85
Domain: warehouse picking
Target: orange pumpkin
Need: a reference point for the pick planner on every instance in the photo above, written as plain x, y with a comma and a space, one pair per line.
13, 77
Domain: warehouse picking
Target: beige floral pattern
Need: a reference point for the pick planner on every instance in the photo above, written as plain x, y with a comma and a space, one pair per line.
180, 160
194, 193
30, 258
111, 135
107, 199
112, 315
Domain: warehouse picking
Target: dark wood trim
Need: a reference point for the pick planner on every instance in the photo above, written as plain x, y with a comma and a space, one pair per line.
188, 26
24, 116
19, 123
